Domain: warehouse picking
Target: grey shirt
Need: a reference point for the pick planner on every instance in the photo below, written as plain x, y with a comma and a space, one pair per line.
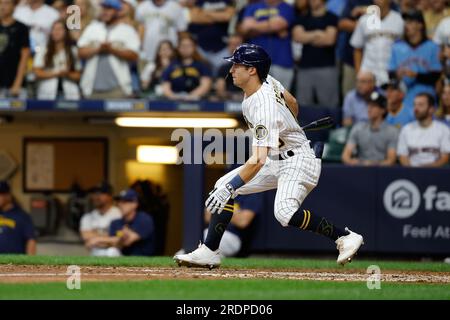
105, 79
373, 144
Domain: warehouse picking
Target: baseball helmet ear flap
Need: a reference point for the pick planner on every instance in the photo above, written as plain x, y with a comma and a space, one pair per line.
253, 56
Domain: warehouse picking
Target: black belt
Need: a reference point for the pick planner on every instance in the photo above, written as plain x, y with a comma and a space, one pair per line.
317, 147
284, 156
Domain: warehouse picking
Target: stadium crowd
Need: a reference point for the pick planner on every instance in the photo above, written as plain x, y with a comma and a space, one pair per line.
330, 53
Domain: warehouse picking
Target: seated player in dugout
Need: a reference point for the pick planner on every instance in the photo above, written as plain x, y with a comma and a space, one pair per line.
133, 233
236, 238
96, 223
189, 76
17, 234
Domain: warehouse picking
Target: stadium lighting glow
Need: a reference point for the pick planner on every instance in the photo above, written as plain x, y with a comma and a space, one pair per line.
157, 154
177, 122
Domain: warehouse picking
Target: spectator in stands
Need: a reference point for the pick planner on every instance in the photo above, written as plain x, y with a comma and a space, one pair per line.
241, 7
238, 234
61, 7
87, 12
446, 62
17, 235
442, 33
57, 67
14, 52
415, 60
398, 114
425, 142
443, 112
109, 46
353, 10
355, 102
225, 89
209, 25
189, 77
96, 223
151, 76
438, 10
317, 74
407, 5
374, 142
161, 20
423, 5
301, 8
39, 17
127, 17
267, 23
372, 45
134, 233
127, 13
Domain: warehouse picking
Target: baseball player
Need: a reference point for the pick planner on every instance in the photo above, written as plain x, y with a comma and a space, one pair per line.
282, 159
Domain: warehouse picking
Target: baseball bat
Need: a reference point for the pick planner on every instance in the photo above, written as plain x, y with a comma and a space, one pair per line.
320, 124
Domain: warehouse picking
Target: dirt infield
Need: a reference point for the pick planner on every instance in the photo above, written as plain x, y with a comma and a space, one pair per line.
45, 273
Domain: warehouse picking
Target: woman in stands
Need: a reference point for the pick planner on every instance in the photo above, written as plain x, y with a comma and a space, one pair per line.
189, 77
152, 73
57, 67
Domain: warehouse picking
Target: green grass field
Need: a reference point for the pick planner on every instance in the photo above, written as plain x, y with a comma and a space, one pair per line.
270, 289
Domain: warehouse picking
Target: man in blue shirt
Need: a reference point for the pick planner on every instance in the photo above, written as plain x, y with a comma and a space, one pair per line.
267, 24
397, 115
17, 235
415, 60
134, 233
355, 102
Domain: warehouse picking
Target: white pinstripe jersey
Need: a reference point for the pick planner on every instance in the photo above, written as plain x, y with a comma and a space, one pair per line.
271, 120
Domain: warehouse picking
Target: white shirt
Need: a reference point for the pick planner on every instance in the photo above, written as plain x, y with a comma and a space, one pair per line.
120, 35
270, 119
39, 21
161, 23
47, 88
95, 221
377, 43
442, 33
423, 145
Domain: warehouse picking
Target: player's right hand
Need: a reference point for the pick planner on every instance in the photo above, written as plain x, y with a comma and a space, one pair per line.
218, 198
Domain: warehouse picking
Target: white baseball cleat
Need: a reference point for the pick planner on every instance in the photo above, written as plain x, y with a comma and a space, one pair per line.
348, 246
200, 257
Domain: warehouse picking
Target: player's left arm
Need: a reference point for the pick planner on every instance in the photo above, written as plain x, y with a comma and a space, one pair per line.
254, 163
219, 197
291, 102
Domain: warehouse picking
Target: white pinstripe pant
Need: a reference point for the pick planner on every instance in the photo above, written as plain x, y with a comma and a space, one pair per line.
294, 178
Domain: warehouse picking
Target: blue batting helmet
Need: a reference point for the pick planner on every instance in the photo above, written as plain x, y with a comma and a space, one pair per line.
252, 55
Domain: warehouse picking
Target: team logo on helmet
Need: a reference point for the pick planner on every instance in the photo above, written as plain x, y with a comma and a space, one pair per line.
261, 132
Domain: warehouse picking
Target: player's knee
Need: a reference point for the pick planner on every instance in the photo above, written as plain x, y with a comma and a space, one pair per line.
283, 217
284, 211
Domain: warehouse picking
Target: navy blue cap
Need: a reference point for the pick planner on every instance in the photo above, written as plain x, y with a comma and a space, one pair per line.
103, 187
4, 187
115, 4
127, 195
